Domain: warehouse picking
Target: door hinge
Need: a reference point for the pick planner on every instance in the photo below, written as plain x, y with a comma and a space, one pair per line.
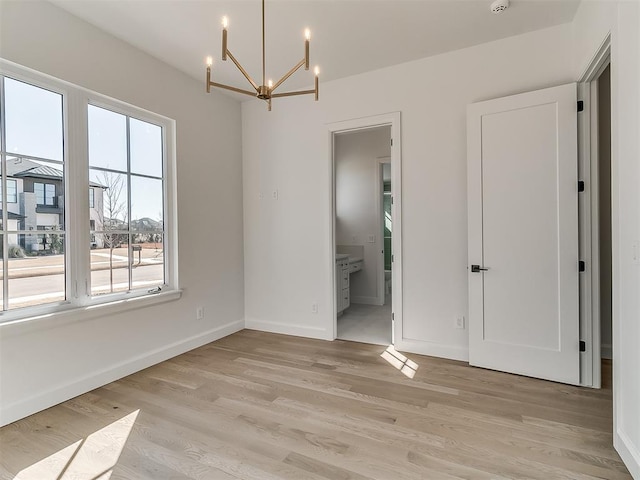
392, 142
581, 185
583, 346
580, 105
392, 258
391, 200
393, 316
581, 266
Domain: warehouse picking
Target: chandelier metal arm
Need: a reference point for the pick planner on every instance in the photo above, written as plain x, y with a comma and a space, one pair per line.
291, 94
288, 74
244, 72
233, 89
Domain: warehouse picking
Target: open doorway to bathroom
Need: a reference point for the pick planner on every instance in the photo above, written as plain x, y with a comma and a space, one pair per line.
364, 235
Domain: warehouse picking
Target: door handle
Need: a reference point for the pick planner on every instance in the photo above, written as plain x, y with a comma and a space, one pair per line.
478, 268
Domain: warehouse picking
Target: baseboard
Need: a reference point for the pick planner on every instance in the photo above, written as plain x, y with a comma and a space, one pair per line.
452, 352
288, 329
366, 300
628, 452
606, 351
15, 411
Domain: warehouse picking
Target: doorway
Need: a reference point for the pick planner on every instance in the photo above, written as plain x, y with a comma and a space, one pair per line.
366, 216
363, 315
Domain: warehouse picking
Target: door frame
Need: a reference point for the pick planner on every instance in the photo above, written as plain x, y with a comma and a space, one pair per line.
382, 161
391, 119
589, 244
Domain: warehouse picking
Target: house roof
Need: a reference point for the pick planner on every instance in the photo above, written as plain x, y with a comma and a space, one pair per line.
23, 167
42, 171
12, 216
19, 164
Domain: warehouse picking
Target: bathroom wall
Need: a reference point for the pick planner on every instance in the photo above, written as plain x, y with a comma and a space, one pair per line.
358, 203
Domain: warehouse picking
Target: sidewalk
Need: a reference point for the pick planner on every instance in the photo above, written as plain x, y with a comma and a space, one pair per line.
54, 264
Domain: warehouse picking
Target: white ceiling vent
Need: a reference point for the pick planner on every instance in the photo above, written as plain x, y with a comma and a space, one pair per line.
499, 6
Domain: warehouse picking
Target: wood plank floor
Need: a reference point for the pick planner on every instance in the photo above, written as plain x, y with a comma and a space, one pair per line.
261, 406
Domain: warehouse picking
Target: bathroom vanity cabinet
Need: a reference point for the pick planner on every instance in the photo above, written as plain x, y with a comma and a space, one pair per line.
342, 282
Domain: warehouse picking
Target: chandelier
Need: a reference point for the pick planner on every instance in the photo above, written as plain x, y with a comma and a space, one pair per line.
266, 90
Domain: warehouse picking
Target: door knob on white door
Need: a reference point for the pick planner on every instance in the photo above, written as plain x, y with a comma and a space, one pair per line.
478, 268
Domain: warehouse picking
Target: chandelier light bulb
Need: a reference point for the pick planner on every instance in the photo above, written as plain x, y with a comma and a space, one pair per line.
225, 22
270, 83
316, 71
307, 34
209, 61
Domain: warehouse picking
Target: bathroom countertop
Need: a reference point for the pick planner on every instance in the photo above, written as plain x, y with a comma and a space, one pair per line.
355, 259
341, 256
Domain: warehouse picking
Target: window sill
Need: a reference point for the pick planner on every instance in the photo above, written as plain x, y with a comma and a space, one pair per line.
79, 314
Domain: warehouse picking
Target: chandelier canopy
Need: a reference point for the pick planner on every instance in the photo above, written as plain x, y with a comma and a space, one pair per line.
266, 90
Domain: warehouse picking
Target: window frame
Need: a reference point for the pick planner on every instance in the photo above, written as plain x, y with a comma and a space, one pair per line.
144, 117
53, 203
75, 102
15, 190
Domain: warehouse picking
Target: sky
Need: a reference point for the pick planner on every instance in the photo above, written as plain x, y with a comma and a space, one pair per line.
34, 123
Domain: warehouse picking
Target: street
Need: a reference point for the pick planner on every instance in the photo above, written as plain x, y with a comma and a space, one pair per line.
35, 281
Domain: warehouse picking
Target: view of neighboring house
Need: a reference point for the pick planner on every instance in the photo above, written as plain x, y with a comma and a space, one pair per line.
35, 200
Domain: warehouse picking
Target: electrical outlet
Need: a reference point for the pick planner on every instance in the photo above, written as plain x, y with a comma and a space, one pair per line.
354, 239
460, 322
371, 238
199, 313
275, 194
636, 253
314, 308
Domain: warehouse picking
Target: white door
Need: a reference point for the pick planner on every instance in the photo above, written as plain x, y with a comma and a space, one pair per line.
523, 230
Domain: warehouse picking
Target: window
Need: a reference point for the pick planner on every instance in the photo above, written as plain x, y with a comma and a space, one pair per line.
32, 150
45, 194
12, 191
44, 238
125, 159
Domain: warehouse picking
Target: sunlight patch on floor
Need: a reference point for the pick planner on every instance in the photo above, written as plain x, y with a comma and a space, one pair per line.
407, 366
90, 459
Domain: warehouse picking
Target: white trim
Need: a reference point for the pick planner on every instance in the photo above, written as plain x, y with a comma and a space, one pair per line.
288, 329
606, 351
88, 312
61, 393
590, 360
393, 119
628, 452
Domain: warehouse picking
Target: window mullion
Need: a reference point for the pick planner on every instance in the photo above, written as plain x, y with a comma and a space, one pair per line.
3, 203
77, 201
130, 236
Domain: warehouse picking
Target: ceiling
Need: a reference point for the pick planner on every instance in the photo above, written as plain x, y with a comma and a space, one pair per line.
348, 36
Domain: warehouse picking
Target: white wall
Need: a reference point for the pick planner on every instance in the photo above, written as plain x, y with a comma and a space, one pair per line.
42, 366
593, 21
288, 241
358, 203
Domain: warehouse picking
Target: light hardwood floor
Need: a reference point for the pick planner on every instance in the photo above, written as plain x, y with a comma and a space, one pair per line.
261, 406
